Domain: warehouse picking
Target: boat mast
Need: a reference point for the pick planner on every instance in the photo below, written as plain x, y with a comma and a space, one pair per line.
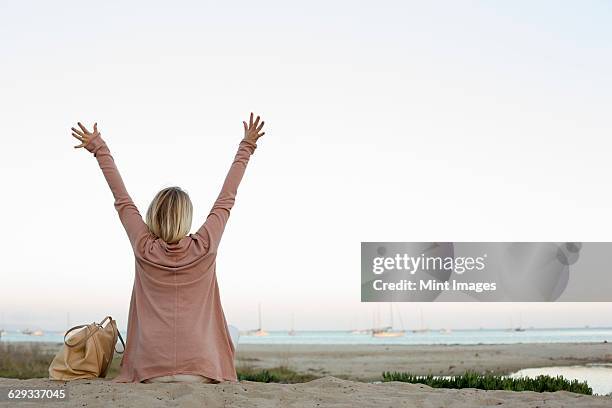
422, 326
259, 314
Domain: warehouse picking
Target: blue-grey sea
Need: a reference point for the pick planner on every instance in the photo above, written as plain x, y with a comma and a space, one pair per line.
484, 336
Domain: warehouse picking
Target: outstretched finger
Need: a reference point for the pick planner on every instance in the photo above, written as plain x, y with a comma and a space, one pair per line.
251, 120
78, 137
96, 127
260, 125
83, 127
245, 126
256, 122
261, 134
78, 132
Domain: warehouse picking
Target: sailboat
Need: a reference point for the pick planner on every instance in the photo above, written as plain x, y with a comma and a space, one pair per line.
259, 331
421, 329
388, 331
520, 326
358, 331
292, 331
29, 332
511, 327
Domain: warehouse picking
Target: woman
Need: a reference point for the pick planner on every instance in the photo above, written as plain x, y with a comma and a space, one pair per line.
176, 327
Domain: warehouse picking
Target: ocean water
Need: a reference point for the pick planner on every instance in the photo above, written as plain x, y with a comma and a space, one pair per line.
582, 335
598, 376
485, 336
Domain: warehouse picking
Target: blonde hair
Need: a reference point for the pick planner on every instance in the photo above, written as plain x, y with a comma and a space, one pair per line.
169, 214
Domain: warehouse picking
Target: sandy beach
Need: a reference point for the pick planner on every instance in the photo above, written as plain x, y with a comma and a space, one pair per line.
347, 373
323, 392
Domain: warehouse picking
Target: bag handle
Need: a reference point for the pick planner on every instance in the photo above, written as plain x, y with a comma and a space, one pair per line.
98, 326
89, 334
120, 338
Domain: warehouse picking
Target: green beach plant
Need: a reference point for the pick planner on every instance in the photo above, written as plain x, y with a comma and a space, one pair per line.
541, 383
281, 374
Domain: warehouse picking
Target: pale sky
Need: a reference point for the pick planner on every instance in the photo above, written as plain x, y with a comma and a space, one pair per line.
385, 121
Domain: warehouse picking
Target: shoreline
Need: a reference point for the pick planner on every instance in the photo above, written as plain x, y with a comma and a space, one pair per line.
367, 362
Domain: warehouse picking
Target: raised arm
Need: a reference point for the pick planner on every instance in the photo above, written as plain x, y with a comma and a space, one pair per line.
128, 213
213, 227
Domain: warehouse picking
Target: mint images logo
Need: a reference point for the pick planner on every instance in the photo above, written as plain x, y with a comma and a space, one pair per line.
485, 271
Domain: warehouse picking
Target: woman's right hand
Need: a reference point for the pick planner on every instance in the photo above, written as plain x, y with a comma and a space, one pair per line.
84, 135
253, 129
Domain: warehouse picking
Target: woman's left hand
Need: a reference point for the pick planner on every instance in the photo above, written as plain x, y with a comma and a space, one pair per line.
84, 135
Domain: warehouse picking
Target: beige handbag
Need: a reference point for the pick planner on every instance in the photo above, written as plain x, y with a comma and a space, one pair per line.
87, 353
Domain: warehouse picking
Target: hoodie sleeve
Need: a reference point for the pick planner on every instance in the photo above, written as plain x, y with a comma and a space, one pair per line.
128, 213
212, 229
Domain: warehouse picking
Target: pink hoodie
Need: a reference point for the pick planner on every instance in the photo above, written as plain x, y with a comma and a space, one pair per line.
176, 323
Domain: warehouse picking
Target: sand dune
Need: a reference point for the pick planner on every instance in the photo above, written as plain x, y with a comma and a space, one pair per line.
324, 392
